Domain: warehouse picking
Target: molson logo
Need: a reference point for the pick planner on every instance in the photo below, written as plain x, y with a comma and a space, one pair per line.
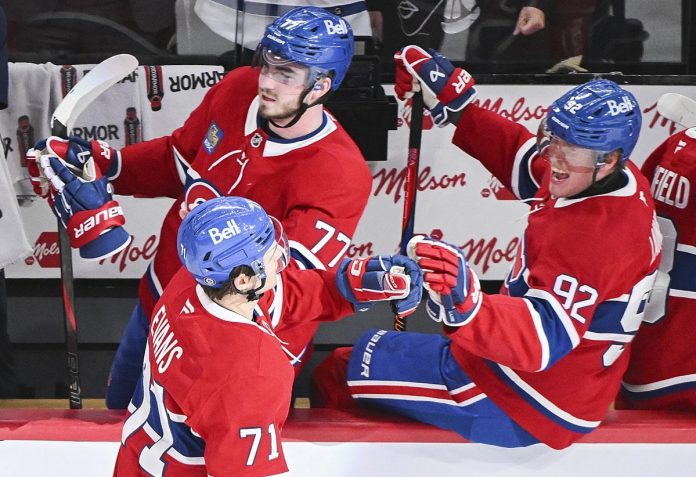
390, 181
132, 254
46, 251
520, 110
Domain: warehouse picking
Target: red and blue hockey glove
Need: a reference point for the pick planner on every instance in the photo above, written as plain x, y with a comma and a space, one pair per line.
454, 292
86, 208
383, 277
446, 89
76, 152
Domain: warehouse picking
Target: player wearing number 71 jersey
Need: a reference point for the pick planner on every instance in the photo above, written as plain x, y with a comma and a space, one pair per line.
542, 361
216, 381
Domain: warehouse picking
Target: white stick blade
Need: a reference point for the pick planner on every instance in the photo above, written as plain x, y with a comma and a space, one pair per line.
99, 79
678, 108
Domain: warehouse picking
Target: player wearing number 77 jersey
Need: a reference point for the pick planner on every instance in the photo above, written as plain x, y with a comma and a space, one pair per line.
216, 380
261, 133
541, 361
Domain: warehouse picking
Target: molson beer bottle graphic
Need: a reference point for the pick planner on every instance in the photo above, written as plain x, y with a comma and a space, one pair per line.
68, 78
25, 138
155, 91
131, 126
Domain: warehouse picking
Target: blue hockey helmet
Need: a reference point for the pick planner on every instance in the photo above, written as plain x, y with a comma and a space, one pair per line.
313, 37
599, 115
225, 232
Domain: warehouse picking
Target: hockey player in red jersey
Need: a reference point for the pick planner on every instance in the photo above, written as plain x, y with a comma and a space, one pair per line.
216, 381
541, 361
260, 133
662, 370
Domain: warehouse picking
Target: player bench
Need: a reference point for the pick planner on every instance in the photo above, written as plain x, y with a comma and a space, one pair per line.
319, 442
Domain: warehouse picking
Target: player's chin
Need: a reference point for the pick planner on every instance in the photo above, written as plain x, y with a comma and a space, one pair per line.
278, 117
566, 187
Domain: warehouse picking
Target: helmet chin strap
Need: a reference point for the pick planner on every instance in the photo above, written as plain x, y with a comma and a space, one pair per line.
300, 111
253, 294
303, 106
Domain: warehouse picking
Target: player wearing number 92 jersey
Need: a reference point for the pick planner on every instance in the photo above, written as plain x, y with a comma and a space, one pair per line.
542, 361
662, 370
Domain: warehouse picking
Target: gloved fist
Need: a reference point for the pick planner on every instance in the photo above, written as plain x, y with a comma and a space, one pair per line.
86, 208
382, 277
454, 292
75, 152
446, 89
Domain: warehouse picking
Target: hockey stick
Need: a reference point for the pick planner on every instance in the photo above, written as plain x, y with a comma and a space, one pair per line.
678, 108
411, 183
94, 83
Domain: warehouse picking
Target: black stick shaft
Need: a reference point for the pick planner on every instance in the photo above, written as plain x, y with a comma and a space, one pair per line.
68, 292
411, 184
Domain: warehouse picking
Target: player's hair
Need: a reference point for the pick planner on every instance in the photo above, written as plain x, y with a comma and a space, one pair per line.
598, 115
227, 287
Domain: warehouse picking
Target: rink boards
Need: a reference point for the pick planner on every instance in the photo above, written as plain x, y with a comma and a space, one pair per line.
333, 443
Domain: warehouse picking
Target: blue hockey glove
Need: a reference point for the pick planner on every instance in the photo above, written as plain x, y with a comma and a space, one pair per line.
454, 292
367, 280
446, 89
86, 208
76, 152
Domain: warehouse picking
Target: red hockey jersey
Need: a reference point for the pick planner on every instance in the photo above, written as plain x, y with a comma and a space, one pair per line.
662, 370
551, 349
215, 390
317, 185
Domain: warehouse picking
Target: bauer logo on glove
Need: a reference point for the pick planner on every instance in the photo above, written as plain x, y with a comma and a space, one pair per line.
85, 207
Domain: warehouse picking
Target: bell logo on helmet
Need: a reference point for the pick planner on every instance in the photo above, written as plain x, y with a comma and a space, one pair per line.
620, 108
339, 28
218, 235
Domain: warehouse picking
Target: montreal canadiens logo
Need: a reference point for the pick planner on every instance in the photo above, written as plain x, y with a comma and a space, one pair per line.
198, 192
209, 281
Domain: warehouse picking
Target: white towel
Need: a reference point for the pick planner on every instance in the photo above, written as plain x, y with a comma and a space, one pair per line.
14, 244
25, 119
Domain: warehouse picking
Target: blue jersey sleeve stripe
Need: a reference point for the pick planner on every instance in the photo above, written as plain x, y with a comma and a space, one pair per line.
304, 256
682, 276
552, 332
524, 186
